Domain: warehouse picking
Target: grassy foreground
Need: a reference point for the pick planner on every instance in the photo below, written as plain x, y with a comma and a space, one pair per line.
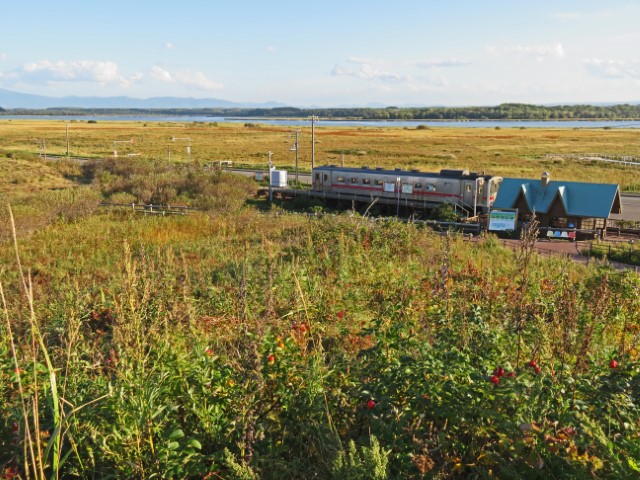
236, 344
256, 346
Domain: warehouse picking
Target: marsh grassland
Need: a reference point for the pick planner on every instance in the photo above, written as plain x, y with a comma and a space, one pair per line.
236, 343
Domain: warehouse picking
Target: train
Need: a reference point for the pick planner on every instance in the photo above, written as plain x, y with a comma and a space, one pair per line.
470, 193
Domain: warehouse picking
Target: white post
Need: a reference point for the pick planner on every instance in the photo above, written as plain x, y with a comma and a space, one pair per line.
270, 189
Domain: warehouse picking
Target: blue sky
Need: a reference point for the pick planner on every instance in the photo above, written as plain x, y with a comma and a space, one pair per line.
327, 53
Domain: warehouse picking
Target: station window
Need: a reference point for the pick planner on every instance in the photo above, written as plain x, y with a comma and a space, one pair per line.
588, 223
559, 222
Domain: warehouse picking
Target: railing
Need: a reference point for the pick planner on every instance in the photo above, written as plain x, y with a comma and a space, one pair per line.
151, 209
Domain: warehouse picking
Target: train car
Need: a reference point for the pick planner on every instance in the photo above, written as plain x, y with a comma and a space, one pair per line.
472, 193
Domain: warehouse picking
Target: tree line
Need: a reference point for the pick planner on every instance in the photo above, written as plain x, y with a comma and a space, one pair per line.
505, 111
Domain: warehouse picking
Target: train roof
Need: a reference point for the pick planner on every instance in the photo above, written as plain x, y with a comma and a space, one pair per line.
445, 173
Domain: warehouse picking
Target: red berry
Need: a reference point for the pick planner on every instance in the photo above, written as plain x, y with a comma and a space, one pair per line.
511, 374
533, 364
498, 371
371, 404
537, 370
271, 358
495, 380
209, 352
613, 363
341, 314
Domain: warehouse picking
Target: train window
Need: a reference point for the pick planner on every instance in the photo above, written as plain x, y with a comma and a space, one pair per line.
379, 181
468, 187
317, 177
430, 187
354, 180
340, 178
417, 185
366, 181
326, 177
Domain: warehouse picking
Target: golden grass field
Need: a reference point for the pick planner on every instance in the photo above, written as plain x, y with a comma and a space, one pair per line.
509, 152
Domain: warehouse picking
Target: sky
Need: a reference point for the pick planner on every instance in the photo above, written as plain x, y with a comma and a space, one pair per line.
329, 53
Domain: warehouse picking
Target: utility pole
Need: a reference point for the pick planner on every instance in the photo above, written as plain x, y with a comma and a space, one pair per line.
270, 189
295, 147
314, 119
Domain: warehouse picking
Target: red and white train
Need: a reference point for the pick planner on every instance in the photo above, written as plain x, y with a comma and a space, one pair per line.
473, 193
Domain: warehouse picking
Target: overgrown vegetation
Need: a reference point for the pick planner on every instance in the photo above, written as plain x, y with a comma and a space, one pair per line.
240, 345
254, 346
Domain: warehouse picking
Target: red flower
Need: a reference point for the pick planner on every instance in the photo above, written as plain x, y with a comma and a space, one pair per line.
613, 363
371, 404
271, 358
495, 380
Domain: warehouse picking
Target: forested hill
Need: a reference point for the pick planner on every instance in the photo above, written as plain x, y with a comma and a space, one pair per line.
505, 111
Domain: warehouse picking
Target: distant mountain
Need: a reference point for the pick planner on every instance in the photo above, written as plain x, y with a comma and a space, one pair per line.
11, 100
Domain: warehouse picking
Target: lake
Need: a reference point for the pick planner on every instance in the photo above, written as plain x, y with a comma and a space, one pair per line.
340, 123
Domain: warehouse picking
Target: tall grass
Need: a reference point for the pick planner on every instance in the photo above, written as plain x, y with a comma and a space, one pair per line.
251, 345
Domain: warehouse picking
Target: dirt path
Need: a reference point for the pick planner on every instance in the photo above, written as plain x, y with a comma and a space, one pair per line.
569, 249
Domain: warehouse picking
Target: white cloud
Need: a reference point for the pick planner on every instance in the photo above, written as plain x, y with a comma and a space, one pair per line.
369, 72
540, 52
366, 61
47, 72
446, 63
365, 69
613, 69
188, 78
169, 46
271, 49
3, 56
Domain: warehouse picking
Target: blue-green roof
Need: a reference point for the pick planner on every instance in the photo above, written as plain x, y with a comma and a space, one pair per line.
580, 199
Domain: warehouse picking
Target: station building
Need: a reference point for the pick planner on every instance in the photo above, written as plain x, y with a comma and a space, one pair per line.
563, 209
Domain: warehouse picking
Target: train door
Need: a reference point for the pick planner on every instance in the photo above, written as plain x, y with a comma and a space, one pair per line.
468, 192
321, 180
